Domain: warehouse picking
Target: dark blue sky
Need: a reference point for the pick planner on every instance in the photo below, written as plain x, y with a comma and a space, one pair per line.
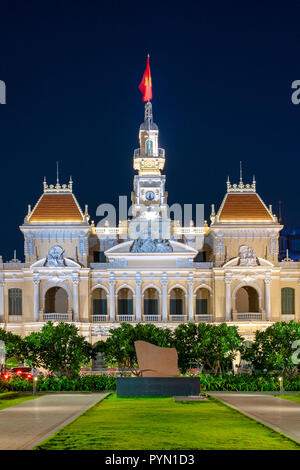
221, 72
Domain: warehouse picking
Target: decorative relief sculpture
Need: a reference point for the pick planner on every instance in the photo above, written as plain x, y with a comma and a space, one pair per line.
151, 246
55, 256
155, 361
247, 256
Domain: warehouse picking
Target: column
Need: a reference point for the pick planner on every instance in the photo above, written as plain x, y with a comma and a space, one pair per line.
191, 300
138, 315
36, 297
1, 300
268, 298
164, 300
228, 298
75, 299
112, 300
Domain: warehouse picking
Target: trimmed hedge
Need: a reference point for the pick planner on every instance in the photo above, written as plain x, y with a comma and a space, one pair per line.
98, 383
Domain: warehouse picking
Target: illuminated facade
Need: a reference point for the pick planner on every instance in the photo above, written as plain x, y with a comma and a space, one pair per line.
97, 277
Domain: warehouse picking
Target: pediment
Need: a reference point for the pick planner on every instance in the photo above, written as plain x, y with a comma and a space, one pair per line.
178, 249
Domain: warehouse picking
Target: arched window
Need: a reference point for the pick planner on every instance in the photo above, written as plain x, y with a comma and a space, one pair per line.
99, 302
149, 147
14, 301
202, 301
177, 301
247, 300
125, 302
287, 301
150, 301
56, 300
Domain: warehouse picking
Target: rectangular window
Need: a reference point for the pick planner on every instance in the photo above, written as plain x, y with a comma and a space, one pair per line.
99, 307
14, 302
176, 306
99, 257
201, 307
125, 306
150, 307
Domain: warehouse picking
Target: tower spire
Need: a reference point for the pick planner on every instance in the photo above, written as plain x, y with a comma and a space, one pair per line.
241, 172
57, 173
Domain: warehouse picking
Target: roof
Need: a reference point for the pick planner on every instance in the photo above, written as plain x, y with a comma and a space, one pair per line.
56, 207
243, 207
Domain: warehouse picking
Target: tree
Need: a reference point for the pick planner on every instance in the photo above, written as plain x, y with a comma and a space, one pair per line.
274, 349
119, 348
218, 346
13, 346
60, 349
186, 342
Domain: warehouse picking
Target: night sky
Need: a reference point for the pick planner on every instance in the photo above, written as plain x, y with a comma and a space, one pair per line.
221, 73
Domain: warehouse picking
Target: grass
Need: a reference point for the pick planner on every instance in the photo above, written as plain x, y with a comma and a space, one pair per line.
8, 399
294, 398
160, 423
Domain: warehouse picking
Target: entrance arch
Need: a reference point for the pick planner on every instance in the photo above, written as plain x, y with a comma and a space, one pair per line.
247, 300
56, 300
151, 299
125, 301
177, 301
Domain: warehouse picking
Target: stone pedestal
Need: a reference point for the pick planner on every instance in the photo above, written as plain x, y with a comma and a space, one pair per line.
157, 386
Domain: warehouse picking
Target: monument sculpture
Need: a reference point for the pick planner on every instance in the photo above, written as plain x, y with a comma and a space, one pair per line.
160, 375
155, 361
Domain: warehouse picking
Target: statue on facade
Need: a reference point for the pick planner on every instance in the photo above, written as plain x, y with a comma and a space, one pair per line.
151, 246
55, 256
247, 256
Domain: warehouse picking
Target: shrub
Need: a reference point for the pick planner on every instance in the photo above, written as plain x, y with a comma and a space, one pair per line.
88, 383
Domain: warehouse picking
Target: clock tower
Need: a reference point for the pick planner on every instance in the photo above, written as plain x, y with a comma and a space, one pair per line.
149, 195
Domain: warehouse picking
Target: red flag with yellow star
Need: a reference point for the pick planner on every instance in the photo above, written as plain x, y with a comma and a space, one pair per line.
146, 84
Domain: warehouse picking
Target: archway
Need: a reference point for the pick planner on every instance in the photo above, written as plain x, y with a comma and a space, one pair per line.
99, 300
247, 300
177, 301
56, 300
125, 301
202, 301
151, 298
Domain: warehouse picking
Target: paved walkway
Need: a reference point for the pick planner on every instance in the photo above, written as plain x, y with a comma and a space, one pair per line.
281, 415
25, 425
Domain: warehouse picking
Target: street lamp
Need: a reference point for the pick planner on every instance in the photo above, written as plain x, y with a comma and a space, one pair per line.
281, 385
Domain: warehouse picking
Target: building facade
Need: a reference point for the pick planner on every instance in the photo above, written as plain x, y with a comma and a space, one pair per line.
149, 268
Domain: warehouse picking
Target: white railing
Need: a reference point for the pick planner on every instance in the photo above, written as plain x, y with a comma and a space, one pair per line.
151, 318
204, 318
249, 316
178, 318
14, 318
99, 318
127, 318
57, 316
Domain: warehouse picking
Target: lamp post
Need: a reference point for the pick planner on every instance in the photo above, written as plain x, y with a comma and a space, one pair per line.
281, 385
34, 380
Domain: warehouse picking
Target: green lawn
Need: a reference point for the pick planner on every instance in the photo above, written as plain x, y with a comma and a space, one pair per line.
294, 398
13, 398
160, 423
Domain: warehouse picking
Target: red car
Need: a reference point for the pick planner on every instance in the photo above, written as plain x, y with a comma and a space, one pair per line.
21, 371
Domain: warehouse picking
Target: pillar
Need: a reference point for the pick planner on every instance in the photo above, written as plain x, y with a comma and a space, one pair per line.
1, 300
191, 300
164, 300
138, 283
228, 298
268, 298
36, 297
112, 300
75, 299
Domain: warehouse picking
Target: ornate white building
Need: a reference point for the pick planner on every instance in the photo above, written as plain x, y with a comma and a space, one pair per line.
100, 276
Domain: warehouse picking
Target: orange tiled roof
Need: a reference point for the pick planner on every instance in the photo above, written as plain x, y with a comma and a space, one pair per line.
56, 208
248, 207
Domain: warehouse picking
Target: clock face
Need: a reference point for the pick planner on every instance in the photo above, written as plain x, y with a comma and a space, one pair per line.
150, 195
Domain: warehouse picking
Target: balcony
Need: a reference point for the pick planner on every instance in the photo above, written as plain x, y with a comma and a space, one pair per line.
126, 318
151, 318
56, 317
247, 316
178, 318
204, 318
160, 154
99, 318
